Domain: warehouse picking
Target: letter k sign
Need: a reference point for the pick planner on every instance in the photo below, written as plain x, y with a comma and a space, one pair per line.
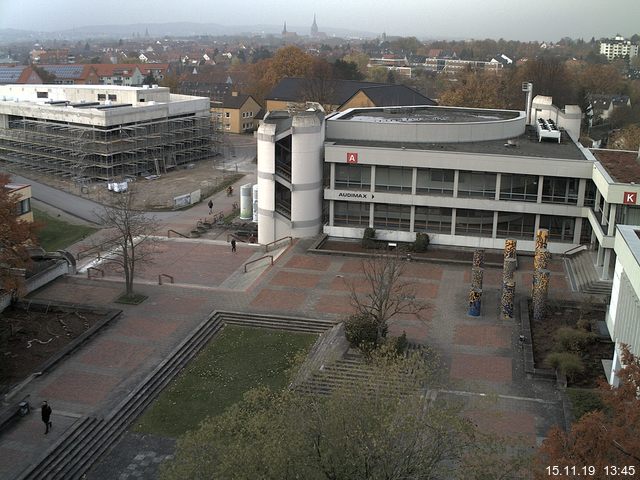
630, 198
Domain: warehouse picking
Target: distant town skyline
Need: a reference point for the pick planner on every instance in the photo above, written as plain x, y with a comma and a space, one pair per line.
542, 20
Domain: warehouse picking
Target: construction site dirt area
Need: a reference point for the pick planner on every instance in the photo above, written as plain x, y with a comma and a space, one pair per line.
153, 192
30, 338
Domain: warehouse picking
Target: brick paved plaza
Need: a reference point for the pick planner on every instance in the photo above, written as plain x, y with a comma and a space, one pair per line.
481, 357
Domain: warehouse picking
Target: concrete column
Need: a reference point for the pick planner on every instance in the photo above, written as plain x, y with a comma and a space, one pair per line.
606, 263
577, 232
331, 212
412, 220
599, 256
332, 181
536, 227
373, 179
456, 178
597, 200
494, 231
540, 185
414, 183
582, 189
498, 180
605, 213
612, 219
371, 215
453, 221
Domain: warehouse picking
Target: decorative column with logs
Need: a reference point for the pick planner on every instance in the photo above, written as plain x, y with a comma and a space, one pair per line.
508, 278
541, 275
475, 294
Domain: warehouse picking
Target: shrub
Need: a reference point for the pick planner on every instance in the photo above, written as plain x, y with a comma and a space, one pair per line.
369, 238
361, 331
573, 340
399, 344
421, 243
584, 401
565, 362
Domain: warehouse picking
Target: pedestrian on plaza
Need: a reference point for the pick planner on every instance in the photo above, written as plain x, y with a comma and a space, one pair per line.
233, 245
46, 416
210, 206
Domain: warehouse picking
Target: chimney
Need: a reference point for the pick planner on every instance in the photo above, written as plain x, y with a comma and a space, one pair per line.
234, 94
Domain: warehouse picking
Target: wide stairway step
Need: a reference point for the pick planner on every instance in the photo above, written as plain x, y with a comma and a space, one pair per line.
88, 439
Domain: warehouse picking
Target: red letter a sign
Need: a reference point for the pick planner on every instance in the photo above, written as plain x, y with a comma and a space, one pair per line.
352, 157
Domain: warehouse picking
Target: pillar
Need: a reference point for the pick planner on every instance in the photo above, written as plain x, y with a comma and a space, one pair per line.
475, 302
507, 299
478, 258
540, 292
542, 238
476, 278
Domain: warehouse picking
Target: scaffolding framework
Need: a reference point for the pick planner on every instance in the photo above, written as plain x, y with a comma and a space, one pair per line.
88, 153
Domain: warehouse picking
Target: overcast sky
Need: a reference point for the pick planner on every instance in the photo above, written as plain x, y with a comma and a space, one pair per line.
508, 19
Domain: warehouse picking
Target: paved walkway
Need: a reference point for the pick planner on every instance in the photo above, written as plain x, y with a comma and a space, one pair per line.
481, 357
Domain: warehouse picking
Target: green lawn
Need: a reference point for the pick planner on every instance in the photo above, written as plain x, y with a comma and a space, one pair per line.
237, 360
56, 234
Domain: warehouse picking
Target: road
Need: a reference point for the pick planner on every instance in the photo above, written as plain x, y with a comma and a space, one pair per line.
74, 205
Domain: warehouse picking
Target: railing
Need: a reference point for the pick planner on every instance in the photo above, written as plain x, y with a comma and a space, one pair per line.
96, 269
98, 247
257, 259
266, 247
177, 233
573, 250
164, 275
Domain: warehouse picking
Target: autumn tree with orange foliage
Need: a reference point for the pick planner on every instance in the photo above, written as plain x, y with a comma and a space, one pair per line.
288, 61
15, 236
603, 437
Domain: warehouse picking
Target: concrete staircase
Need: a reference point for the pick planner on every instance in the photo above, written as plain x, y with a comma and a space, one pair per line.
88, 439
348, 372
583, 276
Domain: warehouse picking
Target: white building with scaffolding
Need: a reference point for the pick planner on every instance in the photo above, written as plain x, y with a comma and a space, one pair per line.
102, 132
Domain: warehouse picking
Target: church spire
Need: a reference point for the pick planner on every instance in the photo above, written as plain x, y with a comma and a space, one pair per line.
314, 27
284, 30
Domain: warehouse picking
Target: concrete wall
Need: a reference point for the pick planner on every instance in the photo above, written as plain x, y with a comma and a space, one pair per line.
435, 132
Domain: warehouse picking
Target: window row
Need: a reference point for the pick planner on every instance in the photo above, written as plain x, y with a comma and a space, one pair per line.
434, 181
468, 222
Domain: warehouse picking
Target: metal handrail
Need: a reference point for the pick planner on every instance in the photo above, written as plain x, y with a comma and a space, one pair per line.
178, 233
573, 249
266, 247
254, 261
164, 275
96, 269
81, 253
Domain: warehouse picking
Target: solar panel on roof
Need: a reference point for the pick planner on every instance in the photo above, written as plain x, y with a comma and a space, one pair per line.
10, 74
64, 71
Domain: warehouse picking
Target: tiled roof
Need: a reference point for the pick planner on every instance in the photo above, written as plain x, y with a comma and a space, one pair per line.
294, 89
11, 74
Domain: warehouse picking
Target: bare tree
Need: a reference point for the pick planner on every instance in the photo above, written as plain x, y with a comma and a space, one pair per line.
132, 244
386, 293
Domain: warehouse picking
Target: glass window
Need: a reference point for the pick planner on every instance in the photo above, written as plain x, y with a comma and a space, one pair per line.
560, 228
476, 184
474, 222
519, 187
433, 219
23, 206
434, 181
516, 225
590, 194
354, 177
351, 214
392, 217
560, 190
393, 179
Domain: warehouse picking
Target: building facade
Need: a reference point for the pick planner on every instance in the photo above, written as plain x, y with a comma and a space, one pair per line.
467, 177
96, 132
623, 316
618, 47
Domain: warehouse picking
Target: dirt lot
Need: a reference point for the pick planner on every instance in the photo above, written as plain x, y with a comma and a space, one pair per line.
156, 194
29, 338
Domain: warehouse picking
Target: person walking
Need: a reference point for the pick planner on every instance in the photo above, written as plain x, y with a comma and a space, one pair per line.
46, 416
210, 206
233, 245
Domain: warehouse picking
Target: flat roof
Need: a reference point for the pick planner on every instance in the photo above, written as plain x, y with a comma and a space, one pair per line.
426, 114
524, 145
622, 166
